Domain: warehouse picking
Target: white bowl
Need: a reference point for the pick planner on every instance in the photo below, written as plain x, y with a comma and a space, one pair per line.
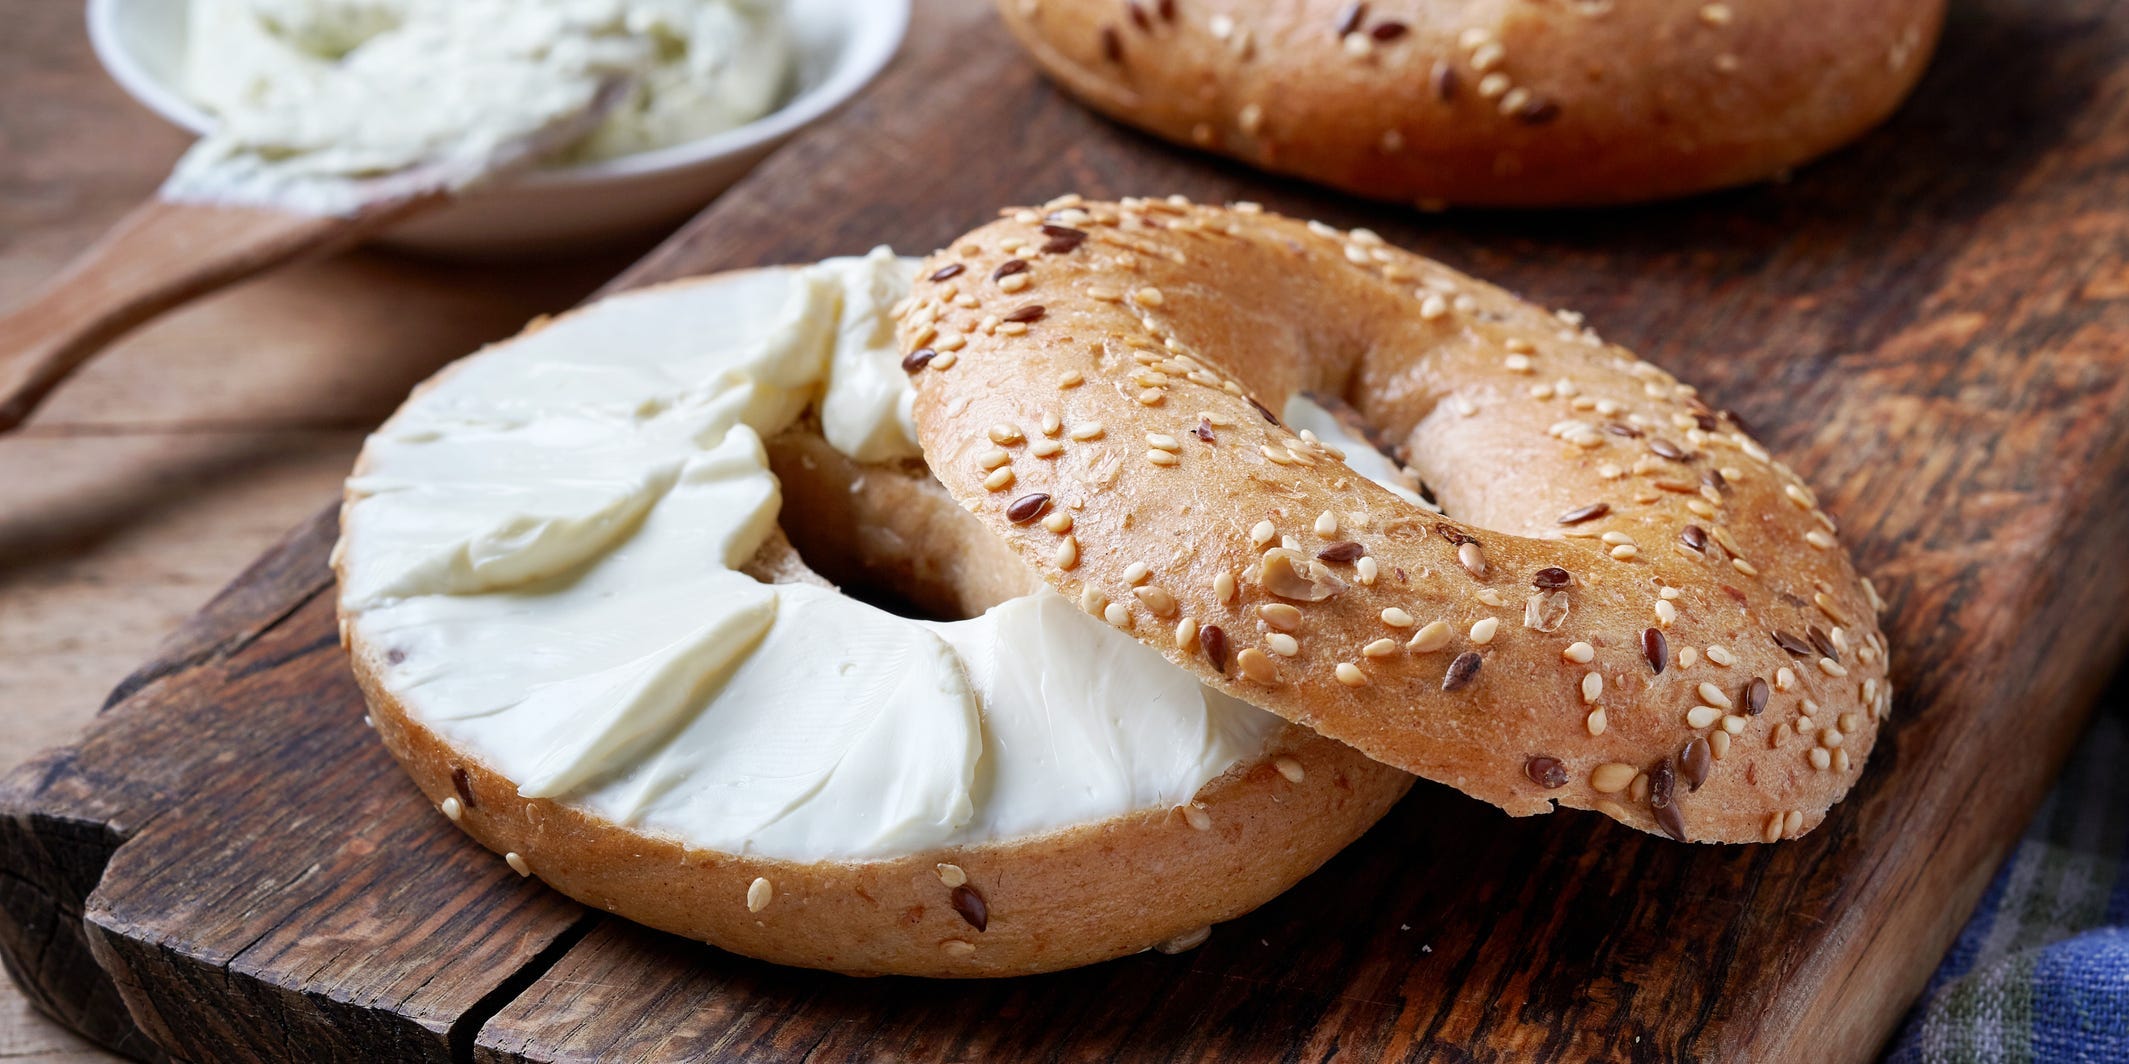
841, 45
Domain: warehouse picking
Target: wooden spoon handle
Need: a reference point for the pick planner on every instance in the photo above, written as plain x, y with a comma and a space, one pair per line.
159, 256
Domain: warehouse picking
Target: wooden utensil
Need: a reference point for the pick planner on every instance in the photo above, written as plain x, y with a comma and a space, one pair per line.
165, 254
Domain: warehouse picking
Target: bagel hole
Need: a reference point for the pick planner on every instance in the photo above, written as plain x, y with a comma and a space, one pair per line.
1359, 429
888, 534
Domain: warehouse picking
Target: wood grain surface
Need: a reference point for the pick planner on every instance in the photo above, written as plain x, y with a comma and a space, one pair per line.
1931, 326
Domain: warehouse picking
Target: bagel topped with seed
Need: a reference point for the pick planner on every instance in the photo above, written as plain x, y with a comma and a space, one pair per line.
574, 583
1507, 103
1625, 603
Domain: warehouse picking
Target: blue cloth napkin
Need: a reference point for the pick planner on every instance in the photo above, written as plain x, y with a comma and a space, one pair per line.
2041, 972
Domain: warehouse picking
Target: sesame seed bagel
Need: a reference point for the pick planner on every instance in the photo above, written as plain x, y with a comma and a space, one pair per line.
1628, 604
1014, 904
1504, 103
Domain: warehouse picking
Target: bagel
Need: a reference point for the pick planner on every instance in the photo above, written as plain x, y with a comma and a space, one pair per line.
1630, 606
1506, 103
570, 604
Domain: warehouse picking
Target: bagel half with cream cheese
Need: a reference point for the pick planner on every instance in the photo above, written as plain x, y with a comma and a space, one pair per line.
1628, 606
573, 611
1504, 103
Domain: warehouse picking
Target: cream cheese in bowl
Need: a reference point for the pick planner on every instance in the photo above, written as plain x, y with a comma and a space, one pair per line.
308, 93
663, 151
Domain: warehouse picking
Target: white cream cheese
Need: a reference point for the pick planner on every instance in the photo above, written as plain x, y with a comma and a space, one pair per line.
309, 94
1305, 414
541, 546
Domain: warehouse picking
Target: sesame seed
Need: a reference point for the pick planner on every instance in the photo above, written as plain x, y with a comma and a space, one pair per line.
517, 863
1158, 600
1148, 297
1015, 282
1579, 653
1163, 458
451, 809
1702, 716
1289, 768
1431, 637
1198, 817
947, 343
1280, 616
1397, 618
1487, 56
992, 459
1186, 632
1517, 363
1840, 761
1380, 648
1596, 721
1071, 379
1721, 656
1625, 552
1592, 686
1059, 522
1713, 695
1262, 533
1611, 777
1067, 554
1744, 567
1483, 630
1733, 724
1688, 657
1832, 668
1350, 675
1223, 587
759, 894
1715, 14
1163, 442
1493, 85
1820, 758
1118, 614
951, 874
999, 480
1471, 557
1665, 613
1086, 430
1256, 666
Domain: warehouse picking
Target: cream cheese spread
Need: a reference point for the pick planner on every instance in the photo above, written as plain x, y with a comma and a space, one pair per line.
309, 94
540, 550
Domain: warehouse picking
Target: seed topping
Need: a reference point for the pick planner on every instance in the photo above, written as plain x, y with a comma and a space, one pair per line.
1546, 772
1462, 671
1655, 648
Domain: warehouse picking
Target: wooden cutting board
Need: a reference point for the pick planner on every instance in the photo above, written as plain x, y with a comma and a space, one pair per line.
1933, 326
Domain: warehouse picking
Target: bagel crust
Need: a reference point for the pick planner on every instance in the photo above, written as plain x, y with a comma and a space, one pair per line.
1153, 878
1086, 894
1505, 103
1631, 606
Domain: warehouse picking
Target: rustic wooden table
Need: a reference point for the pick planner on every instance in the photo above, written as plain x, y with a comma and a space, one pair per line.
170, 463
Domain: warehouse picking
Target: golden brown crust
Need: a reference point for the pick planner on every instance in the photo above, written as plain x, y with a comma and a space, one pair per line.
1598, 504
1053, 901
1049, 901
1503, 102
